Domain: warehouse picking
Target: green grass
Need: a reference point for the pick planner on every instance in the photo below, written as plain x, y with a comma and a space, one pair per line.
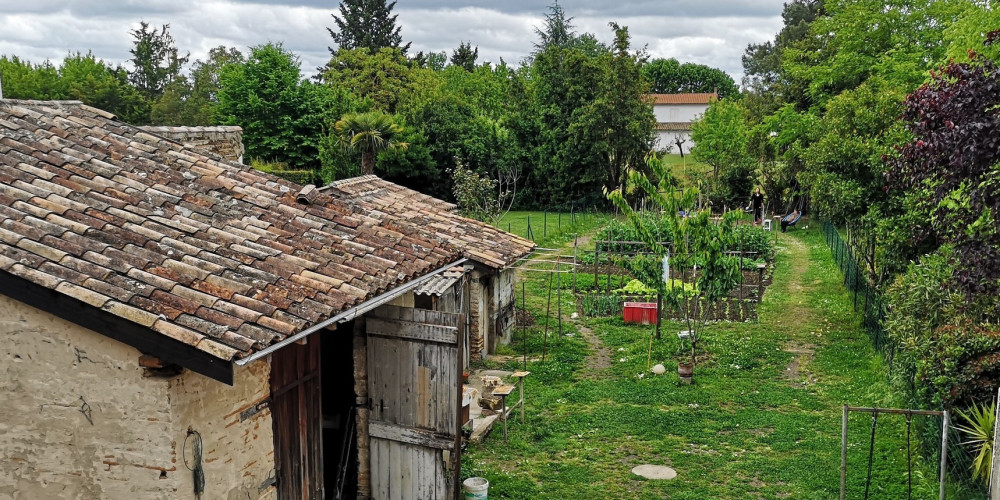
687, 170
551, 228
744, 429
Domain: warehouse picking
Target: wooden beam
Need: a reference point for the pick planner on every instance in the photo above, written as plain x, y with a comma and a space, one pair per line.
409, 435
144, 339
414, 331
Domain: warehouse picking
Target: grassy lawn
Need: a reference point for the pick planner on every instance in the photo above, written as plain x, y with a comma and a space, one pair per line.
551, 228
762, 419
686, 169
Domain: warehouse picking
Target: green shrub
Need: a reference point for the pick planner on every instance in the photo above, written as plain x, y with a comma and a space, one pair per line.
948, 351
301, 177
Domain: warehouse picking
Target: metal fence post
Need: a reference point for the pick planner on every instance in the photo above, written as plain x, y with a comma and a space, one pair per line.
843, 455
944, 452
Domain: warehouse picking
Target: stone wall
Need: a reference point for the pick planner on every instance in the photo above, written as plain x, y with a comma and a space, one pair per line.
504, 305
79, 420
225, 141
478, 316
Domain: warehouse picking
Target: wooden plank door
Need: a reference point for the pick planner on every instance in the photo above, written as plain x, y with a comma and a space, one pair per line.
297, 416
414, 383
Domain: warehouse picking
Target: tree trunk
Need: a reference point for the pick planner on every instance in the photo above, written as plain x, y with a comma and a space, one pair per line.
367, 162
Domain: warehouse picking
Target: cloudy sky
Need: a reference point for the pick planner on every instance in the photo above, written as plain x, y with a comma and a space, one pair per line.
712, 32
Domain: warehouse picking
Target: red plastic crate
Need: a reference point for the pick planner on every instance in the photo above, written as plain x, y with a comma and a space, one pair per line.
643, 313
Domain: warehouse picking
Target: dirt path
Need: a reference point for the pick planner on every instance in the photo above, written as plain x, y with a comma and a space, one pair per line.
599, 358
796, 313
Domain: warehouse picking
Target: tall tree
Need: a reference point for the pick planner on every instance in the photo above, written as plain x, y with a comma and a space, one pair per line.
283, 117
465, 56
384, 76
722, 135
366, 24
668, 76
557, 30
155, 60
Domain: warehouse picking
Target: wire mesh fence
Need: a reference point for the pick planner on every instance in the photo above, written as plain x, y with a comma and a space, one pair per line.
859, 280
865, 295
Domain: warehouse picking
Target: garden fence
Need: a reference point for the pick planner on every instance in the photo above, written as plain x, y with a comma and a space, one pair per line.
859, 280
866, 296
551, 222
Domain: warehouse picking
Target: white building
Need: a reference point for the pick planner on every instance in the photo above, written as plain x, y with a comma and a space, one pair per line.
674, 115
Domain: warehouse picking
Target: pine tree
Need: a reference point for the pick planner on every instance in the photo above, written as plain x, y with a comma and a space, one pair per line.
366, 24
465, 56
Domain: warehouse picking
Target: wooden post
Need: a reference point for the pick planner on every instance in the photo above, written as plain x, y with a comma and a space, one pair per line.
548, 310
545, 223
575, 241
659, 305
524, 330
597, 257
361, 389
559, 296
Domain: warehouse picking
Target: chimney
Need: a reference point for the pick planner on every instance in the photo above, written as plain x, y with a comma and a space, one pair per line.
1, 86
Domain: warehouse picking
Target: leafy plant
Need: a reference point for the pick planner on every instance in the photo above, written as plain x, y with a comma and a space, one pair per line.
699, 247
635, 287
600, 305
980, 420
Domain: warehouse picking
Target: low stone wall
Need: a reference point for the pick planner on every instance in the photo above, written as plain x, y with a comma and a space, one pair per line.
225, 141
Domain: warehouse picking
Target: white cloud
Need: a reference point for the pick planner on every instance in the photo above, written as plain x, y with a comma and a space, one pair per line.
712, 33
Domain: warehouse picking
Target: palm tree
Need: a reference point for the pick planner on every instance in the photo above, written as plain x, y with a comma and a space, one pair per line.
371, 133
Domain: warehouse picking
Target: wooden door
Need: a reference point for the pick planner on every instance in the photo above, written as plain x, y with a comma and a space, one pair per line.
297, 416
414, 383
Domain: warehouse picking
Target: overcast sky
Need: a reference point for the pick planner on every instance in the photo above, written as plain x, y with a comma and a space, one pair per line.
712, 32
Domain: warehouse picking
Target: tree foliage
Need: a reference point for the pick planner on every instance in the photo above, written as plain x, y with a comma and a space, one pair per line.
465, 56
722, 135
668, 76
951, 168
155, 60
366, 24
284, 119
370, 133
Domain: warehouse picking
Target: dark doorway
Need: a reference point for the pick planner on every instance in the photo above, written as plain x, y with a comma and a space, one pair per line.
340, 450
313, 403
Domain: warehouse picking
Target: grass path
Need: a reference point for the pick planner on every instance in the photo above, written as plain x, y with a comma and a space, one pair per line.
762, 419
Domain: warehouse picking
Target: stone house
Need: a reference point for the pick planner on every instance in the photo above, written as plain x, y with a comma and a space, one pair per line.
491, 288
176, 322
674, 115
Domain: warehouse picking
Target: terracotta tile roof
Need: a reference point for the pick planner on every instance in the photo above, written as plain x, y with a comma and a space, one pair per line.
370, 188
683, 98
405, 207
209, 252
672, 126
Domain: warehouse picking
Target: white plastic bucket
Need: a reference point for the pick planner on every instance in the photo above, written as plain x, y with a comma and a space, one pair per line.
476, 488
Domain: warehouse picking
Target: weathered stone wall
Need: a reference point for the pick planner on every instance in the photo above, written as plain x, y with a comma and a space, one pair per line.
238, 442
478, 316
504, 297
78, 420
224, 141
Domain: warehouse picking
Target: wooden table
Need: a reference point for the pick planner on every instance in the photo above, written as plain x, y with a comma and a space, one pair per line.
503, 391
